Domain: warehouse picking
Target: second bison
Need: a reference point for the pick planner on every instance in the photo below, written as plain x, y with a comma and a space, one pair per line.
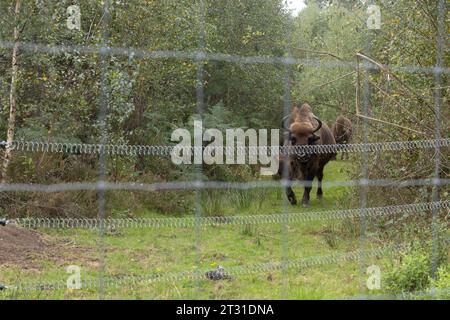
342, 132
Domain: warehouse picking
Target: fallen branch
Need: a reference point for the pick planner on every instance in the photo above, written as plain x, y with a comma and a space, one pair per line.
329, 82
389, 123
319, 52
389, 72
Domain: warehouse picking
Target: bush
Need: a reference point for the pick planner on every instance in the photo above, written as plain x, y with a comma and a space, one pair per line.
410, 273
412, 270
442, 282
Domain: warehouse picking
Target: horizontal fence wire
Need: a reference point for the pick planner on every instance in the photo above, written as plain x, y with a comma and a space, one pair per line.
197, 55
232, 271
151, 150
190, 222
132, 150
199, 184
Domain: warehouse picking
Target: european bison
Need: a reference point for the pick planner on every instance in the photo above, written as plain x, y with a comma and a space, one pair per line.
304, 128
342, 132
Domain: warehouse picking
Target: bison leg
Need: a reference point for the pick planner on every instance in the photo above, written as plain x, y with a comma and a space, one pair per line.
319, 186
308, 186
289, 192
286, 173
291, 196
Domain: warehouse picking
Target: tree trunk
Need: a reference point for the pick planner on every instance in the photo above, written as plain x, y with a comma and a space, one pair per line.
12, 96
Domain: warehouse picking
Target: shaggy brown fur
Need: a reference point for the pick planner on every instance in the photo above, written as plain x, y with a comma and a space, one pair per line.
302, 125
342, 132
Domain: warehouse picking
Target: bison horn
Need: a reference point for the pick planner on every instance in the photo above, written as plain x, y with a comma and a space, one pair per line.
319, 126
283, 122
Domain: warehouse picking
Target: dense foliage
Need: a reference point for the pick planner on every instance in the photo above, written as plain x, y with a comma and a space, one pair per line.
59, 94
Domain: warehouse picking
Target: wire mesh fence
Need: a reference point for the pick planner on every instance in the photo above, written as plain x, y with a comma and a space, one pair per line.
189, 222
201, 55
202, 274
130, 150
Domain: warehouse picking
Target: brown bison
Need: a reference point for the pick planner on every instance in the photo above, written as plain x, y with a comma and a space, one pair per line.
304, 128
342, 132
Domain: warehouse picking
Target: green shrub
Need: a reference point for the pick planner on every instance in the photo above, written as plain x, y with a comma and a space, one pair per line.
409, 273
412, 270
442, 282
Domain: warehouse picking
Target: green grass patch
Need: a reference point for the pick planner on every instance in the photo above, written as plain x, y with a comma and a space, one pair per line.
149, 251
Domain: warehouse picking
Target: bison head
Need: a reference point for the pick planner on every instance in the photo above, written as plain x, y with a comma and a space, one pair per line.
302, 134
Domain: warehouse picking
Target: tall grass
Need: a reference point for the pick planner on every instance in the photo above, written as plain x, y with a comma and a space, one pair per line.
221, 202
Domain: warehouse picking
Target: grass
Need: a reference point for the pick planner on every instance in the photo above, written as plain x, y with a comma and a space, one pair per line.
154, 251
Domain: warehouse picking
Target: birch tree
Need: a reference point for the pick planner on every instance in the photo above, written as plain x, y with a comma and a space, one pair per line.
12, 95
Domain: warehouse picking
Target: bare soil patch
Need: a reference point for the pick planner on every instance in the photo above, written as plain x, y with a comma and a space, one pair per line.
28, 249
